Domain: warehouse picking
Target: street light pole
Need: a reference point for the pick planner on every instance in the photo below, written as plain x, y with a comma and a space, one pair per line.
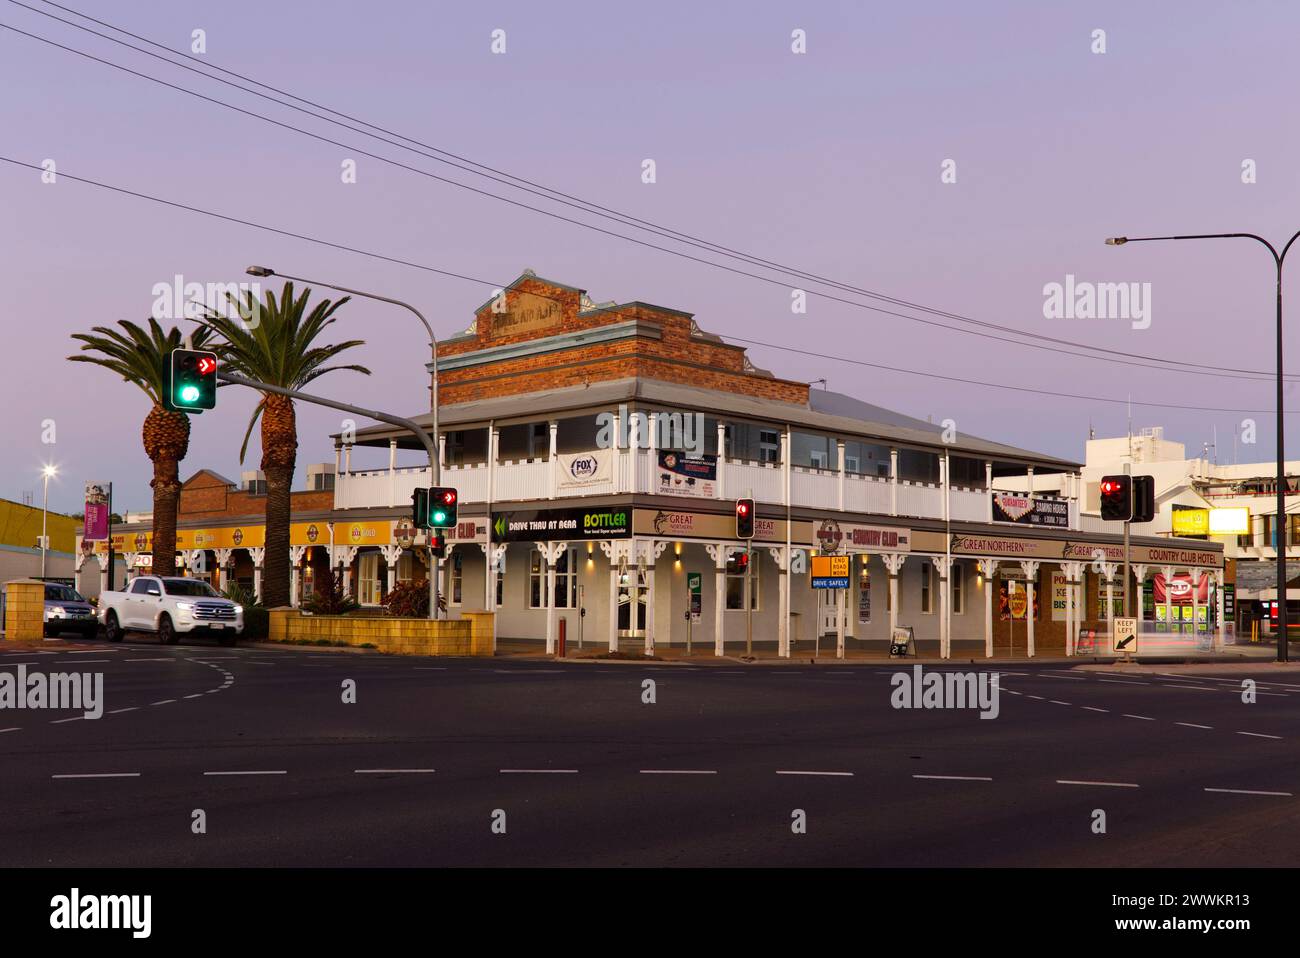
1280, 549
47, 472
435, 459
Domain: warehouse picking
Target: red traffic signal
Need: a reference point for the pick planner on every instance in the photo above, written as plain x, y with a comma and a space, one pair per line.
1116, 498
744, 518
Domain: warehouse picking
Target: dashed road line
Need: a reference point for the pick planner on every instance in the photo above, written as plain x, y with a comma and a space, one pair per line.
163, 702
133, 708
957, 778
1260, 735
75, 718
99, 775
1093, 708
1247, 791
538, 771
798, 772
1070, 781
679, 771
393, 771
252, 772
1194, 725
1144, 718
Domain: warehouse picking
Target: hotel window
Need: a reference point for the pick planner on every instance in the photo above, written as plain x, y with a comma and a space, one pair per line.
811, 449
566, 580
958, 574
456, 578
927, 587
866, 458
769, 445
368, 579
405, 563
736, 583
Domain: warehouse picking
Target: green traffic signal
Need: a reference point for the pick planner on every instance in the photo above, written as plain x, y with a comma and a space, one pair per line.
191, 381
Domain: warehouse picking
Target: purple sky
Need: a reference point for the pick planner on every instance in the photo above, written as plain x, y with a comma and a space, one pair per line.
828, 161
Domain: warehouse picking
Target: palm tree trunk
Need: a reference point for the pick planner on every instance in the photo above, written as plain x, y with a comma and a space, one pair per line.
166, 494
279, 456
166, 438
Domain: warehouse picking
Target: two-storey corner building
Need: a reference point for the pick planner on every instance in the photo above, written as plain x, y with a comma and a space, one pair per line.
599, 450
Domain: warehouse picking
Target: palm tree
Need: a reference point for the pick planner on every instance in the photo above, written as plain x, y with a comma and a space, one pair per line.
275, 344
140, 357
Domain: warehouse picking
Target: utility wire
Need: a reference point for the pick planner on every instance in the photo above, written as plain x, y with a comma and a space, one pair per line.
611, 310
1159, 364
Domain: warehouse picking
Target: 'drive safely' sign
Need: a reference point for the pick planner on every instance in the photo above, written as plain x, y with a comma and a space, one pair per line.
830, 572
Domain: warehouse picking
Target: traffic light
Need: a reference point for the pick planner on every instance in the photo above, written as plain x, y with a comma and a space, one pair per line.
1116, 498
1144, 498
744, 518
439, 546
190, 381
442, 507
420, 508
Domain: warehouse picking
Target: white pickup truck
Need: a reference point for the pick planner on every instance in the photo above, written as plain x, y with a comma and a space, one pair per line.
170, 607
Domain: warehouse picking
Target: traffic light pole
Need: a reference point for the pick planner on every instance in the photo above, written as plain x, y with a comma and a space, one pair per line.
429, 444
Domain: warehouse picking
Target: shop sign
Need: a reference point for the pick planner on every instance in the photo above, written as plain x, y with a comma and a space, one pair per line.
681, 475
1031, 510
540, 525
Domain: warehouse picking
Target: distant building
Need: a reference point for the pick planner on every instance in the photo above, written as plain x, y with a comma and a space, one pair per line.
20, 543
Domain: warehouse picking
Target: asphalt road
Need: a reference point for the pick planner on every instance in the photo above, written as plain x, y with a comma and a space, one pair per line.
435, 750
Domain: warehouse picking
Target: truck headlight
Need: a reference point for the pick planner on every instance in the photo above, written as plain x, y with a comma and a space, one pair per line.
184, 606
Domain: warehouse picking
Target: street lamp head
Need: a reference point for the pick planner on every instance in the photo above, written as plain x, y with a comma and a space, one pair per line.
1116, 240
260, 271
50, 470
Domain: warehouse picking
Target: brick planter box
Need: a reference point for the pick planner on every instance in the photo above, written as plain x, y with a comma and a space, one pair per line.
469, 635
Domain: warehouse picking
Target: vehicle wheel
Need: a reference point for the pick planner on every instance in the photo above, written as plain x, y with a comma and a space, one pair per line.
167, 632
112, 631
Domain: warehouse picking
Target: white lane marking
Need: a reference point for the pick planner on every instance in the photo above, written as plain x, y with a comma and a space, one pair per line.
1118, 682
1144, 718
1039, 697
92, 661
1193, 725
1198, 688
392, 771
957, 778
679, 771
255, 772
1074, 678
163, 702
1010, 692
258, 663
196, 695
17, 663
539, 771
1058, 702
1068, 781
16, 728
1093, 708
75, 718
148, 660
1260, 735
1246, 791
429, 668
797, 772
100, 775
133, 708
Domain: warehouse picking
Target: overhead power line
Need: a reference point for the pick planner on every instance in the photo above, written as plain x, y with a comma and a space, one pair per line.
612, 310
1023, 338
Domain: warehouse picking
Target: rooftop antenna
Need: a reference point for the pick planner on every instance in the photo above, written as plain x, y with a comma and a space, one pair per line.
816, 381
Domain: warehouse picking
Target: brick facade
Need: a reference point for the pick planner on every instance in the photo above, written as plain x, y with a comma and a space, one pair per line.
663, 347
206, 497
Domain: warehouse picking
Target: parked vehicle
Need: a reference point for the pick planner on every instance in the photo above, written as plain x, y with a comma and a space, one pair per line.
66, 610
170, 607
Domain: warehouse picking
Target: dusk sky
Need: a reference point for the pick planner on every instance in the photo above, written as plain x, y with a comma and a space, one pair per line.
829, 162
